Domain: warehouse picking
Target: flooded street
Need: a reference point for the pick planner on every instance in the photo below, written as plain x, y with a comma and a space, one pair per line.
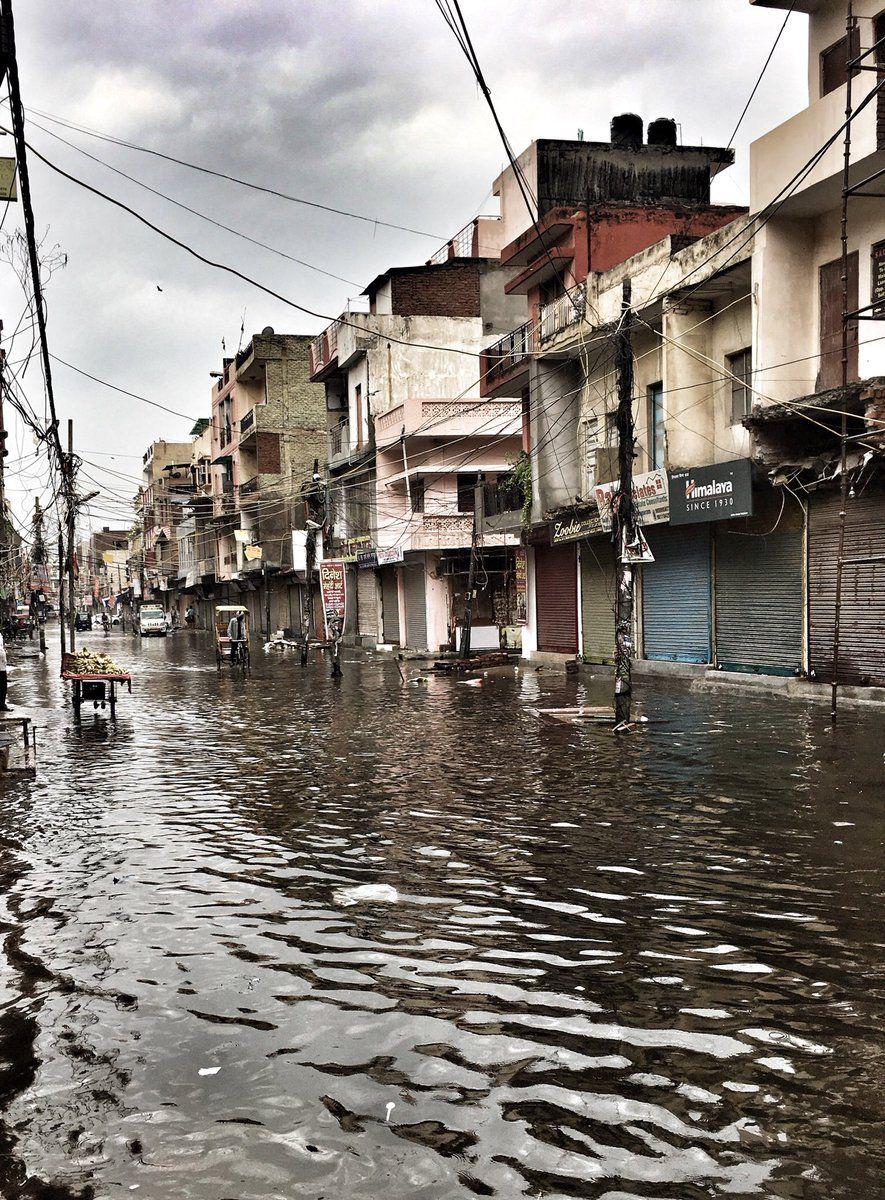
586, 966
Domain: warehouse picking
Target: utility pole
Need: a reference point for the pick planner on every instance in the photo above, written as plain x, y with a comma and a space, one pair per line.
623, 514
9, 68
266, 602
61, 589
5, 546
71, 514
471, 575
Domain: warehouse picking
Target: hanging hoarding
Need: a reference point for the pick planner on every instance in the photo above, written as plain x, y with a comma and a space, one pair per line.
714, 493
333, 588
299, 549
651, 499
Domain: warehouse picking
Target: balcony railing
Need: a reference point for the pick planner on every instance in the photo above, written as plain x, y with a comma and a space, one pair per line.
247, 422
562, 312
249, 488
324, 348
504, 356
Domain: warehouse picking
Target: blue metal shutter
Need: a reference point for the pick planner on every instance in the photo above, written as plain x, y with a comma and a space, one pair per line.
759, 602
676, 607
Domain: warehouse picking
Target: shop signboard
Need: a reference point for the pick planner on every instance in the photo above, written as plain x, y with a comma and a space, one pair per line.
714, 493
333, 588
366, 559
522, 586
7, 179
574, 527
393, 554
651, 499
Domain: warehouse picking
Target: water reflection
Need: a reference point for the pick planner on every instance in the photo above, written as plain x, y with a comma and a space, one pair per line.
274, 936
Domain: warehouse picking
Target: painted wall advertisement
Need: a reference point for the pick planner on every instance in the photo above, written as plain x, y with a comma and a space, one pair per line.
333, 588
521, 614
651, 497
714, 493
877, 279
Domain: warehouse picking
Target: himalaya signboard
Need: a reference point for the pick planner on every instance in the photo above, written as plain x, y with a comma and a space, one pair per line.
713, 493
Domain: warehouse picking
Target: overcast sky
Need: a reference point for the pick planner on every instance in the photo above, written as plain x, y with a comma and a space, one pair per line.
366, 105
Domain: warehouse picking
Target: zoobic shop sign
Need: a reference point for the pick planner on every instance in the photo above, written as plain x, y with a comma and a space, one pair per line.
714, 493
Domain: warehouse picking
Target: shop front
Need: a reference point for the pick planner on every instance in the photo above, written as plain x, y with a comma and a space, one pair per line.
862, 602
556, 598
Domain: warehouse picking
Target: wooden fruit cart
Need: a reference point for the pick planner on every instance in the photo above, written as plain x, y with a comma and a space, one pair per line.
98, 688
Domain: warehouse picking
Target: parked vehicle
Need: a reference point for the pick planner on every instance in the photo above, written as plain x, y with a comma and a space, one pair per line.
83, 619
152, 620
23, 621
224, 613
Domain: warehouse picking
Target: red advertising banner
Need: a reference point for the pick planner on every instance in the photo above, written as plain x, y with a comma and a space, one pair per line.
522, 586
333, 588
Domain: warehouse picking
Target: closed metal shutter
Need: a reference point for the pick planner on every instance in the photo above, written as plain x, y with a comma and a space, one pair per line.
759, 602
367, 604
676, 606
415, 597
862, 620
390, 605
597, 600
556, 591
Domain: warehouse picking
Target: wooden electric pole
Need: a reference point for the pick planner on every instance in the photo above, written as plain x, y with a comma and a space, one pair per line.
623, 515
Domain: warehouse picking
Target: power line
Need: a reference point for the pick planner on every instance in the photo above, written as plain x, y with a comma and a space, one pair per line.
761, 75
257, 187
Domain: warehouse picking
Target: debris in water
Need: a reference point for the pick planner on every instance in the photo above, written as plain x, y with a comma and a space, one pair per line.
367, 893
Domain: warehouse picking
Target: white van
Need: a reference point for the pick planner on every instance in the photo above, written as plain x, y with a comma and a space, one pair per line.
152, 620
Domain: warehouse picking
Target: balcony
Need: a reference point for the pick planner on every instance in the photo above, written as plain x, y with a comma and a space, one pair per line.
324, 353
449, 418
783, 152
206, 567
504, 366
562, 313
247, 422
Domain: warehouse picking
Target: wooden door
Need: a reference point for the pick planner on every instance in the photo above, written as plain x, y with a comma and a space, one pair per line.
831, 300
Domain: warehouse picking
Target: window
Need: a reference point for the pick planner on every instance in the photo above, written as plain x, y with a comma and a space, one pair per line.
466, 484
655, 430
834, 63
416, 487
357, 437
740, 366
591, 445
611, 429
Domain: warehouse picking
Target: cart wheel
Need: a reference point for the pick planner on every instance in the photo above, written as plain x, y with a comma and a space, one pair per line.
247, 660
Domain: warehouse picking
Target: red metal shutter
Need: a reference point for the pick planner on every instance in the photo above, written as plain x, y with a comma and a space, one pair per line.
862, 620
556, 592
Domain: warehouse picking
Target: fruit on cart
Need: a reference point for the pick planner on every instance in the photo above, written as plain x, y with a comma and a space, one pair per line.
88, 662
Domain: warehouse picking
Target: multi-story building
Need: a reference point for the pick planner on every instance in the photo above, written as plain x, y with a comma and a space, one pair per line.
800, 391
166, 486
268, 429
738, 404
104, 565
596, 206
410, 435
196, 532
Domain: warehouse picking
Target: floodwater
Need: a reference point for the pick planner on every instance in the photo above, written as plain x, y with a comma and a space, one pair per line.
585, 966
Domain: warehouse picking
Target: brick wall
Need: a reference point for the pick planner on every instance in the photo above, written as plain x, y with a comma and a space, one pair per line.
444, 291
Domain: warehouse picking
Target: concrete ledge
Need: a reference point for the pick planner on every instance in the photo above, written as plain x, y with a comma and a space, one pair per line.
808, 690
553, 662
